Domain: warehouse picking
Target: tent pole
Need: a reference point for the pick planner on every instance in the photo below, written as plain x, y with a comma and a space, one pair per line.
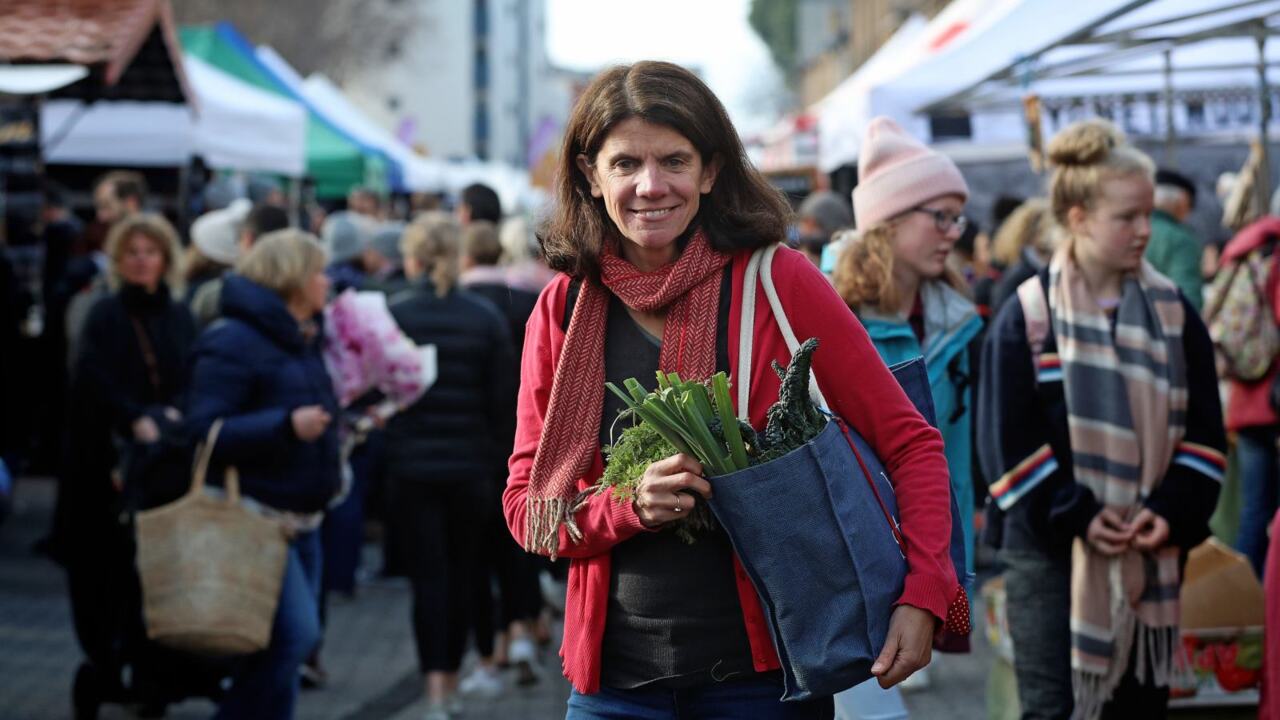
1169, 134
295, 202
1264, 104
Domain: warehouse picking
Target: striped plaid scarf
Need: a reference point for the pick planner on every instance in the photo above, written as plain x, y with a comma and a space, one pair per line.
690, 289
1126, 394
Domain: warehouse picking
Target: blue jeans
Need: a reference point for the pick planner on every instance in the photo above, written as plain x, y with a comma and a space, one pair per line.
266, 685
1259, 464
755, 698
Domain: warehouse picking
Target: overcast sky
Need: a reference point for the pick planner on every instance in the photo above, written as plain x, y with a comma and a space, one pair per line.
712, 36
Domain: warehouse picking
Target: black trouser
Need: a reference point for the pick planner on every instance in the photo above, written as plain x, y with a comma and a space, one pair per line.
517, 575
1038, 592
441, 525
102, 582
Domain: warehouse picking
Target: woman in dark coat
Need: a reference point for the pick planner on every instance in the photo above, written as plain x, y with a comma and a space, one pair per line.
444, 450
260, 371
123, 440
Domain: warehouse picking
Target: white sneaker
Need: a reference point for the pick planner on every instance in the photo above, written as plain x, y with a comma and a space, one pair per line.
522, 650
522, 655
552, 592
436, 711
482, 681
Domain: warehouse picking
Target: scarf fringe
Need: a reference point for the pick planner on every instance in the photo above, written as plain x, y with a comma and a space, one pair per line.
545, 516
1160, 662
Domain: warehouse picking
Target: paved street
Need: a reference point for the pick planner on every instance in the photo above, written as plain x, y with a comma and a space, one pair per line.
368, 651
368, 647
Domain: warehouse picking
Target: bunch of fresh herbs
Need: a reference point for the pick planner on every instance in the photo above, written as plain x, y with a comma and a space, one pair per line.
698, 419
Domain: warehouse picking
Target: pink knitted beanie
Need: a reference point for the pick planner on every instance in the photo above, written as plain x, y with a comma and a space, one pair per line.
896, 172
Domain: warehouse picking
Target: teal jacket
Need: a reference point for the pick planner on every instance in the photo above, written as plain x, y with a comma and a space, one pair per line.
1175, 252
951, 324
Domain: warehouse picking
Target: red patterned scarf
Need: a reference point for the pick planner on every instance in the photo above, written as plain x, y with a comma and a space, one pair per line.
689, 289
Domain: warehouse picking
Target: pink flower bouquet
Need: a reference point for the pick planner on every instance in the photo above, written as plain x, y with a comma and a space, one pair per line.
365, 350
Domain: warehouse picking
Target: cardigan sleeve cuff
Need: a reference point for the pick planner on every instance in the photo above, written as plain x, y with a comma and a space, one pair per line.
626, 522
931, 593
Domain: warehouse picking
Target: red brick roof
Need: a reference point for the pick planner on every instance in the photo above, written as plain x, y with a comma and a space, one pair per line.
86, 32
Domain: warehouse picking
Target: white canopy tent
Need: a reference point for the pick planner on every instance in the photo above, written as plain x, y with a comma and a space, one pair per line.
928, 60
124, 133
240, 127
978, 56
420, 174
1160, 52
236, 127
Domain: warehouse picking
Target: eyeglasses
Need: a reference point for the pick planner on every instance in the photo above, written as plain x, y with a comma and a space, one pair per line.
944, 220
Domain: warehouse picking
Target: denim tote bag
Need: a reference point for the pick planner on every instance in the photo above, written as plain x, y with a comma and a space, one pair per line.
816, 532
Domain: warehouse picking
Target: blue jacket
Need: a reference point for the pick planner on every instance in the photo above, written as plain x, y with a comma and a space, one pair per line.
253, 368
951, 323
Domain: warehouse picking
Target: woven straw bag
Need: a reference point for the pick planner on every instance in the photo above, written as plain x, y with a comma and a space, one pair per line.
211, 568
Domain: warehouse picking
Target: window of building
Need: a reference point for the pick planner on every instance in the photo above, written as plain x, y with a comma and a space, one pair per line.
481, 18
481, 127
481, 69
950, 127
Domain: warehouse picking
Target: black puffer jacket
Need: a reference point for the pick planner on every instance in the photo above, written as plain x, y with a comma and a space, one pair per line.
461, 429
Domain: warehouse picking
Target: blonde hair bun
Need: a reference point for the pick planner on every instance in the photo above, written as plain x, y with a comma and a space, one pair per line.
1088, 142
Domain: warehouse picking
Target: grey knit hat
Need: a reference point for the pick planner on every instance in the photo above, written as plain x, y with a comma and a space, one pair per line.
386, 240
828, 210
345, 235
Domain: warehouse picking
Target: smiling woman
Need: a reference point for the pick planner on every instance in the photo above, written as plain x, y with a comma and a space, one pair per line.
657, 214
652, 137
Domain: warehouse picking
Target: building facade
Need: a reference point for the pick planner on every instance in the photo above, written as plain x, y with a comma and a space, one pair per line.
834, 37
466, 82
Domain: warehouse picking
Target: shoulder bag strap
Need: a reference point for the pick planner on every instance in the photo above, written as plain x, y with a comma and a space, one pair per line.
1035, 314
793, 343
746, 333
761, 265
148, 355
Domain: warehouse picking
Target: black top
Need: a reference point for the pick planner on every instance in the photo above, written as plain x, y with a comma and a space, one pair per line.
461, 430
133, 362
674, 618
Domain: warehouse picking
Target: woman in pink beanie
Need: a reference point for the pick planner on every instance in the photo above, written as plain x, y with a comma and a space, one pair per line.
893, 273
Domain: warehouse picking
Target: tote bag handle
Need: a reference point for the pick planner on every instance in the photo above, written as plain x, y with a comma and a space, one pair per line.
761, 265
204, 455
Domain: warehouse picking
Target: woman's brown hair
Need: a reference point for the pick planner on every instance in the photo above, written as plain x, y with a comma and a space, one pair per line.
741, 211
863, 275
155, 228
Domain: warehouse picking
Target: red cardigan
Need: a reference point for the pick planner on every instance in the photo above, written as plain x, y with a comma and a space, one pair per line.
853, 379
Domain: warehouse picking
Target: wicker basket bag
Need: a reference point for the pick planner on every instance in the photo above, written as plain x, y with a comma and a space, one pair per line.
211, 568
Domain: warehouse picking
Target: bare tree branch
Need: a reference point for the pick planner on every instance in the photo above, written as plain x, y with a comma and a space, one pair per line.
335, 37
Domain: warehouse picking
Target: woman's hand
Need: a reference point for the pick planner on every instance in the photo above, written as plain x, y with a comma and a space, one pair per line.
1108, 532
664, 493
309, 422
908, 646
1150, 531
145, 430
